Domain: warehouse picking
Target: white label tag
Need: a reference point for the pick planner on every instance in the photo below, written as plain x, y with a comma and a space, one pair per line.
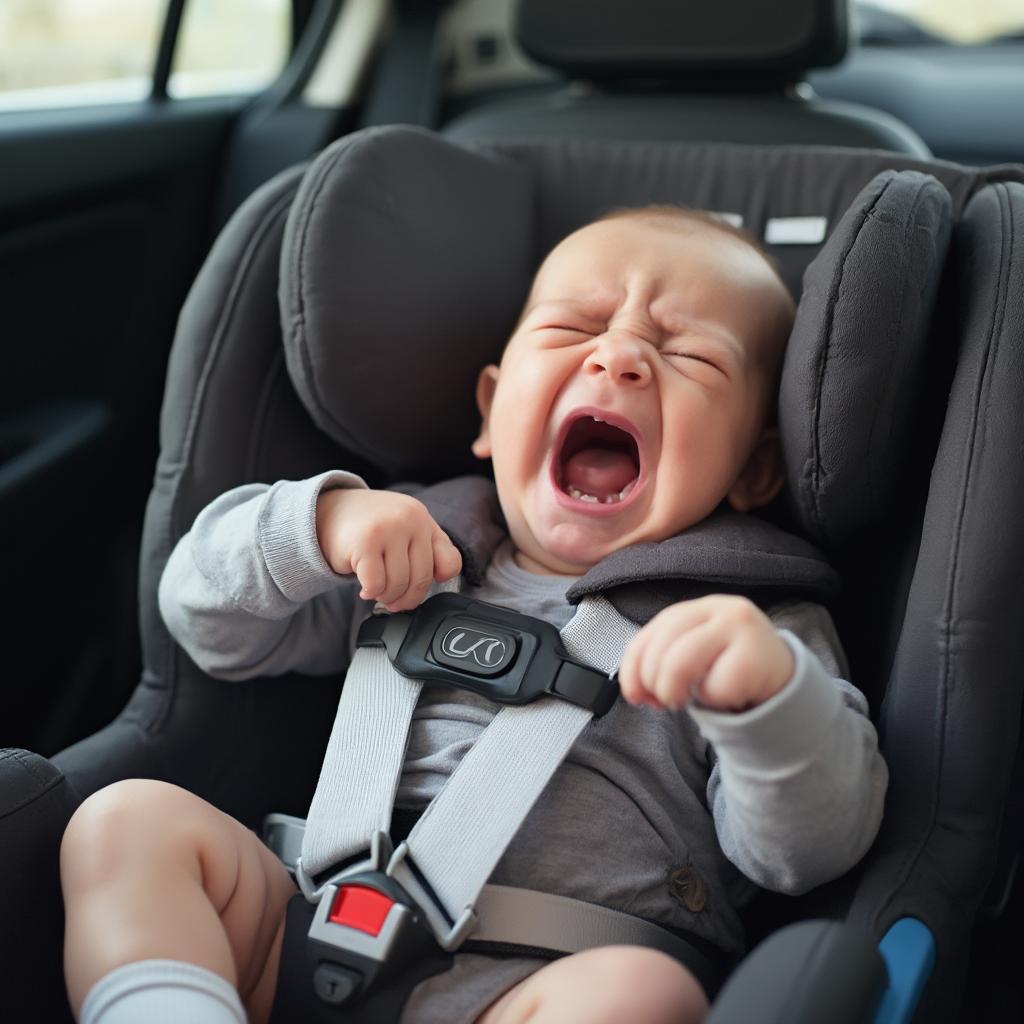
795, 230
734, 219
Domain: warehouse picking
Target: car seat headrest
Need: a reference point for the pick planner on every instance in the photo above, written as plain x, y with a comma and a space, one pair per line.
741, 39
404, 263
854, 376
407, 257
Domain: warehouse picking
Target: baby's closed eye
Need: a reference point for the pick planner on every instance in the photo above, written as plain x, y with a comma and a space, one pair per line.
685, 354
565, 334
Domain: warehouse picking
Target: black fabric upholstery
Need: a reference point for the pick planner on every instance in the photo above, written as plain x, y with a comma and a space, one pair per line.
854, 372
726, 553
375, 329
461, 246
725, 72
36, 803
763, 119
951, 715
229, 415
653, 38
829, 972
930, 604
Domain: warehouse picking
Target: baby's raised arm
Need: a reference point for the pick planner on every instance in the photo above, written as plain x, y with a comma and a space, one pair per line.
389, 541
798, 784
267, 579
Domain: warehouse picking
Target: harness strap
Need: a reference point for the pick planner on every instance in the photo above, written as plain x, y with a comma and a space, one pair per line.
542, 920
484, 801
513, 922
363, 762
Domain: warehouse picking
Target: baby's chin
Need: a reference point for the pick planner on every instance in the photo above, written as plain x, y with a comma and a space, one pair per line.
561, 543
566, 548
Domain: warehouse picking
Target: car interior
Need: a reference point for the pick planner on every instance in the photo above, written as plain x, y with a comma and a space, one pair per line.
178, 274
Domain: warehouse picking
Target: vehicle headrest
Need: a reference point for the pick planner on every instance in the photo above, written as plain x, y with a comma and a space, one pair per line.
654, 39
407, 257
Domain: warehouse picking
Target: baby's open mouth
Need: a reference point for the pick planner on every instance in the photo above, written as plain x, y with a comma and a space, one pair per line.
598, 462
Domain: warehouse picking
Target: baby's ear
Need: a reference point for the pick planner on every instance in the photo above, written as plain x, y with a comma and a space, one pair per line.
486, 384
762, 476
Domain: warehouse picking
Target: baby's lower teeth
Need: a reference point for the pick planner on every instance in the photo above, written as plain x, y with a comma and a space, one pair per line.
611, 499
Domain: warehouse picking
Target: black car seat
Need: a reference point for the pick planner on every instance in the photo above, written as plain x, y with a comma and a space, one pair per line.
675, 69
928, 552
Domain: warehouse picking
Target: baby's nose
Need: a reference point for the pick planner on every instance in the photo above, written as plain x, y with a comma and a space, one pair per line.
622, 359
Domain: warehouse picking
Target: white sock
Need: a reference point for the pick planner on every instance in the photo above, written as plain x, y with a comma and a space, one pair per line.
162, 992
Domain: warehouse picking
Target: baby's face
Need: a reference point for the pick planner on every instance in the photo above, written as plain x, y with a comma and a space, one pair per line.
632, 397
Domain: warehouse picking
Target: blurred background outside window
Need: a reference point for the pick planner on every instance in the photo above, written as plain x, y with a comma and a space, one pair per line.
965, 22
58, 53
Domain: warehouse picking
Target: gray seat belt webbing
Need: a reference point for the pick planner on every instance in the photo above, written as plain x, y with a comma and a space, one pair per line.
363, 763
359, 777
499, 780
488, 795
463, 833
525, 917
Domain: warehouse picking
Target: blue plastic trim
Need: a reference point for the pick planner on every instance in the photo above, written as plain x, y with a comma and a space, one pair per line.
908, 950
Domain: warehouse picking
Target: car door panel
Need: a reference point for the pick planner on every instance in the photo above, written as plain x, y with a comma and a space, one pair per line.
104, 219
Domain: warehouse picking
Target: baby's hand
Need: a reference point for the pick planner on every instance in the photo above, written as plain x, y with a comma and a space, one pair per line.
389, 540
722, 650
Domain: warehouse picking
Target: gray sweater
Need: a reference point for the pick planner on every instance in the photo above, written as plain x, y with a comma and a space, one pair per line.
674, 816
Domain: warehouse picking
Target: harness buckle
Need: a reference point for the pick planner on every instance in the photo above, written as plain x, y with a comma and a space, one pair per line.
366, 929
374, 919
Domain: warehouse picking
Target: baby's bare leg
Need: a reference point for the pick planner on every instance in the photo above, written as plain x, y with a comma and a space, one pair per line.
150, 871
608, 985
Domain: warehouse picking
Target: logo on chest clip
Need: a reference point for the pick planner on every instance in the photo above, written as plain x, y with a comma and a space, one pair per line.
486, 651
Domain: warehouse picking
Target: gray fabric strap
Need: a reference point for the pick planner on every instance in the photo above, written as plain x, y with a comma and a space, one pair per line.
467, 826
525, 917
363, 763
499, 780
488, 795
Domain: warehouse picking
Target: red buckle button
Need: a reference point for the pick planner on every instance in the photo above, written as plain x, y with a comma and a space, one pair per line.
357, 906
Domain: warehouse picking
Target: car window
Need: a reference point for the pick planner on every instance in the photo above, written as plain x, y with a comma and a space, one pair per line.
902, 22
70, 52
230, 46
61, 53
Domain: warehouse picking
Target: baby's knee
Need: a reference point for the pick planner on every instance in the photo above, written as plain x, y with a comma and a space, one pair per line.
646, 985
607, 985
120, 821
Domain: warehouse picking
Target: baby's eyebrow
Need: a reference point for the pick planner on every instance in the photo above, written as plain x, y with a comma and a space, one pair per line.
682, 323
596, 308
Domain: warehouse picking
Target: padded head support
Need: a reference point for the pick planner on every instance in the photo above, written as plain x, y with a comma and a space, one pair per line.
404, 263
407, 257
652, 39
852, 384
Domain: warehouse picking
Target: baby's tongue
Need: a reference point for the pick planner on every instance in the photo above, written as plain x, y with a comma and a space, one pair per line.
599, 471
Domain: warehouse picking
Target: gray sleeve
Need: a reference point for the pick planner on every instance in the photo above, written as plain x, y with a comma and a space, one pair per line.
798, 787
247, 591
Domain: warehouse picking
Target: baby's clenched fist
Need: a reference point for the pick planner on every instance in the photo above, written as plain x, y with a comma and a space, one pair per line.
389, 540
721, 650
